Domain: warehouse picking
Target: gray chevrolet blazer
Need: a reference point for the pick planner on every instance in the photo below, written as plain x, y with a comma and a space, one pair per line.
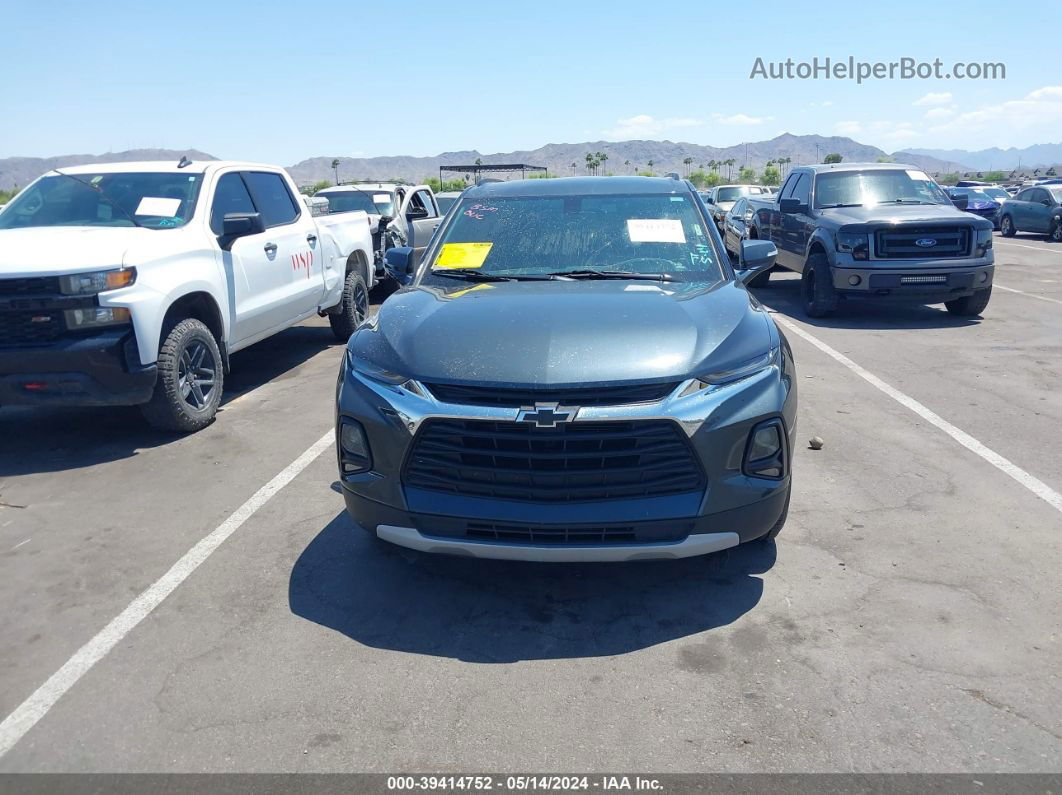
572, 372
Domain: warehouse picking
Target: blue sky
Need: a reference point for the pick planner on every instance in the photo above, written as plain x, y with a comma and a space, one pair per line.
280, 82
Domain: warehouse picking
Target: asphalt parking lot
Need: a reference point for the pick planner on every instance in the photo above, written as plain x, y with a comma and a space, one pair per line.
907, 619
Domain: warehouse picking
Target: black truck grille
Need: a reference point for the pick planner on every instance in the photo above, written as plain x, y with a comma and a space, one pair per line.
578, 396
30, 328
37, 285
900, 243
576, 462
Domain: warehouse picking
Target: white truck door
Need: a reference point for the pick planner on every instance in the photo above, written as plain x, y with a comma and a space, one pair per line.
256, 283
298, 256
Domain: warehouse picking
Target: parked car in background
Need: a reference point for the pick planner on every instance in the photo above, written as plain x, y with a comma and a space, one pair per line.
881, 231
721, 199
398, 214
446, 200
995, 192
977, 202
1037, 209
133, 283
736, 225
573, 372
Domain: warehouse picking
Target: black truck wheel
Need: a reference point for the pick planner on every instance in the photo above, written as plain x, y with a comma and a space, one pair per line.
190, 379
971, 305
816, 287
352, 310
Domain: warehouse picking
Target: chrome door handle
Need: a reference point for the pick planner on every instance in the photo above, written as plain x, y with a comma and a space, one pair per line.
270, 248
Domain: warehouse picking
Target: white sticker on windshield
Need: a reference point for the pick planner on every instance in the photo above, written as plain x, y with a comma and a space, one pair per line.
655, 230
164, 208
920, 175
381, 198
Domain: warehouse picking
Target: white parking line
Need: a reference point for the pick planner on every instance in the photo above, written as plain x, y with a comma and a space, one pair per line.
1033, 484
1034, 248
35, 707
999, 286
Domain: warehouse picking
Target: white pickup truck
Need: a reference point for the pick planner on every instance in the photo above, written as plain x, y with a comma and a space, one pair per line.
133, 283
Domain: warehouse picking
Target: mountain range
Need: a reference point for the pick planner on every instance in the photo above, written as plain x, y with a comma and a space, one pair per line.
1038, 155
624, 157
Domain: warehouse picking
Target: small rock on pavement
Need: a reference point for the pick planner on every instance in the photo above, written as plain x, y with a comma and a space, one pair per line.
815, 442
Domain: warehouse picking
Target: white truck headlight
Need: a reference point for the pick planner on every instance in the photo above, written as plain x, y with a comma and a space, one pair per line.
96, 281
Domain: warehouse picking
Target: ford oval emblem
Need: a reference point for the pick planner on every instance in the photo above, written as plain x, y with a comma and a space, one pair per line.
926, 242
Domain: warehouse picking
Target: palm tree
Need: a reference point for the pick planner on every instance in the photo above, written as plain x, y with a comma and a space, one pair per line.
713, 165
589, 163
687, 161
574, 166
601, 157
335, 168
729, 163
650, 162
627, 163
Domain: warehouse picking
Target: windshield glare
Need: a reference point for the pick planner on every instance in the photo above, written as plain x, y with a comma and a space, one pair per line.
348, 201
995, 193
156, 200
642, 233
879, 186
733, 194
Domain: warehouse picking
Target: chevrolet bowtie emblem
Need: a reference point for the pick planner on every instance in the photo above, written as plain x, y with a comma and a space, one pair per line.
546, 415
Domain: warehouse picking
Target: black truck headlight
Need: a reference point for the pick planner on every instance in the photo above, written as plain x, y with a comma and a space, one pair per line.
856, 245
354, 455
96, 317
96, 281
765, 451
984, 242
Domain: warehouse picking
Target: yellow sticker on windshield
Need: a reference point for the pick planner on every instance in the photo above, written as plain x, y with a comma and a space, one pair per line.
462, 255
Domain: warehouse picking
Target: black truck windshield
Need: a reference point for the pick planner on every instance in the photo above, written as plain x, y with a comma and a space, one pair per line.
153, 200
876, 186
589, 236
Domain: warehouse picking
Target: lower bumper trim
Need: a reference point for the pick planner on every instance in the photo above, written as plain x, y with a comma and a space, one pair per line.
697, 544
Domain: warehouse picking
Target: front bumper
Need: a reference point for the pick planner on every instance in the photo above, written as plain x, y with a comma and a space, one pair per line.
687, 548
101, 370
731, 509
903, 281
699, 535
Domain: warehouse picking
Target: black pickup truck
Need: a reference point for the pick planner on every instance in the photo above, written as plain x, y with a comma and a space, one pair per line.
875, 230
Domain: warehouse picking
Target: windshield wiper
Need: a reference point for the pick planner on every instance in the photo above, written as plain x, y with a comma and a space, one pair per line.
589, 274
106, 198
473, 275
834, 206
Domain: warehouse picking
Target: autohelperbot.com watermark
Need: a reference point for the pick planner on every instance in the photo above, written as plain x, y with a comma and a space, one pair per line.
861, 71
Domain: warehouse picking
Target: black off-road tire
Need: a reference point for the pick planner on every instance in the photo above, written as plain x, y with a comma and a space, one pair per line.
353, 309
189, 360
816, 287
971, 305
1006, 226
